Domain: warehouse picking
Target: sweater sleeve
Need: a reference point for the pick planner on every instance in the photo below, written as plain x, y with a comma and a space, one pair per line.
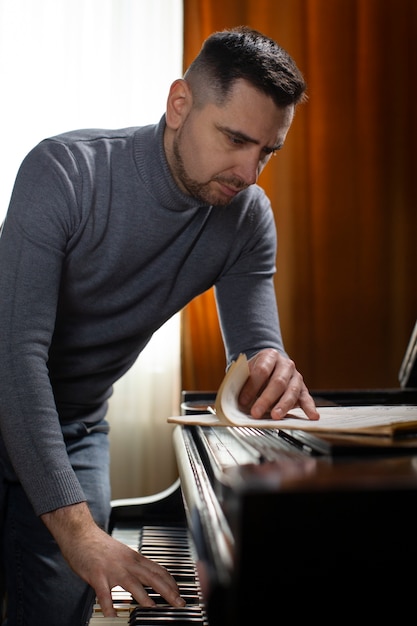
34, 237
245, 293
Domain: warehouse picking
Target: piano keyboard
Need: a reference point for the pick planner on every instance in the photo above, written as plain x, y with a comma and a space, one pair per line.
171, 547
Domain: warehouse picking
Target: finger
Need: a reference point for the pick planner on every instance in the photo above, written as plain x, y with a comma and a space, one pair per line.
262, 367
288, 394
105, 601
167, 588
308, 405
158, 578
291, 399
285, 386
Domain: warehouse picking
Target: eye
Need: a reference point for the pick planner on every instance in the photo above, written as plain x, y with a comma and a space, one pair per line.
235, 140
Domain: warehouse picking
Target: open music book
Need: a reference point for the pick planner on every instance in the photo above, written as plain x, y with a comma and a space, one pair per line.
384, 420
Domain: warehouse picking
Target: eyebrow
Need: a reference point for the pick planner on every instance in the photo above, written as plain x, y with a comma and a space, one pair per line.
244, 137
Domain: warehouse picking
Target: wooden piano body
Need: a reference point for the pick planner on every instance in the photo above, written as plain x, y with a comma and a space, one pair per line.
279, 526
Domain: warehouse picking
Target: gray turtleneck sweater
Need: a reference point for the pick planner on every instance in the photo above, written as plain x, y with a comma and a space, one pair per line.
99, 248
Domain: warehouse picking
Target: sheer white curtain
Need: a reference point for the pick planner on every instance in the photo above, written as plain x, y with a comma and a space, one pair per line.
67, 64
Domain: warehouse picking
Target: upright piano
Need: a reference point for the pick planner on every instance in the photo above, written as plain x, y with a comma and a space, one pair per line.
264, 526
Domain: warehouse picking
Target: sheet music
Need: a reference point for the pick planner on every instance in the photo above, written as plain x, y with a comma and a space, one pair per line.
375, 419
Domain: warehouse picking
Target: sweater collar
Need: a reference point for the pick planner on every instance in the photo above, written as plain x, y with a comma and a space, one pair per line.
152, 166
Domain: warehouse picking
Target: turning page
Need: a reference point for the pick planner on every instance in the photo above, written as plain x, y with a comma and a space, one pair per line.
384, 420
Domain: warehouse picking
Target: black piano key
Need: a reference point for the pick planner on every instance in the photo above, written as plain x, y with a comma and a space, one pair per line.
166, 621
190, 598
166, 615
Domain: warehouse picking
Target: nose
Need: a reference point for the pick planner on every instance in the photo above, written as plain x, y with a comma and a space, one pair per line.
249, 167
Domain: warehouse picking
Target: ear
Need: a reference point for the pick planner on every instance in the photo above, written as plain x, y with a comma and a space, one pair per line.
179, 103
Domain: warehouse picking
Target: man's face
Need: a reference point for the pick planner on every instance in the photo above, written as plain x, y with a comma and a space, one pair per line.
218, 151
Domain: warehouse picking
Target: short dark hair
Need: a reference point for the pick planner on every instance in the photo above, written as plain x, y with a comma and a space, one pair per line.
244, 53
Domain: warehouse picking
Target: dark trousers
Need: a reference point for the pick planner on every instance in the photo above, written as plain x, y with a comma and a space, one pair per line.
41, 589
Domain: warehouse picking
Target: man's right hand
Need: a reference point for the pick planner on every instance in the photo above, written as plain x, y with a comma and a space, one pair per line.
103, 562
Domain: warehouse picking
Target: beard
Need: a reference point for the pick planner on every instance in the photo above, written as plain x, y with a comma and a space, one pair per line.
202, 191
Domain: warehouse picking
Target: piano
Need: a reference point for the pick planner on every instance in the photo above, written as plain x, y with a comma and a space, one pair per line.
267, 525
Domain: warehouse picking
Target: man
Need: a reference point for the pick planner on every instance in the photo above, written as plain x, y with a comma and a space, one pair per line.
108, 234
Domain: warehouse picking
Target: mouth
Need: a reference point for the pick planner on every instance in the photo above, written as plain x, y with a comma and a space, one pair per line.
228, 190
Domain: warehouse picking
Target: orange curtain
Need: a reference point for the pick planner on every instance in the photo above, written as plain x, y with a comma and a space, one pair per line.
344, 190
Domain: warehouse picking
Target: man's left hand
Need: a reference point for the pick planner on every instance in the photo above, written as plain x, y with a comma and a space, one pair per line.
274, 387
